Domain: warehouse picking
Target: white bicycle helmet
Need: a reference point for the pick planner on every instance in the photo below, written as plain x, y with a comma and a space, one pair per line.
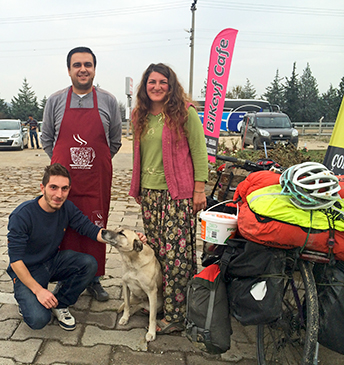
311, 185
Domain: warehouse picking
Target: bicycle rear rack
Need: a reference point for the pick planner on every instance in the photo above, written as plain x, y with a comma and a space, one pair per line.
315, 256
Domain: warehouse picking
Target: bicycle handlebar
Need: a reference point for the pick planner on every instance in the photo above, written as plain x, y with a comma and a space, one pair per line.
245, 164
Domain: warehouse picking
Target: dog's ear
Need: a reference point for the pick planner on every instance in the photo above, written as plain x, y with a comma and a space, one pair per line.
137, 245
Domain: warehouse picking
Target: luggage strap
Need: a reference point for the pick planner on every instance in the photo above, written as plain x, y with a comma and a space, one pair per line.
207, 336
227, 256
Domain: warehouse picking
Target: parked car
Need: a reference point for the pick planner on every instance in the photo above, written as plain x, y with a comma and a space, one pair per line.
39, 132
271, 128
13, 135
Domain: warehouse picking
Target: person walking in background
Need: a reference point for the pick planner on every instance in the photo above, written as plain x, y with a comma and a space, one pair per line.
33, 128
170, 168
82, 130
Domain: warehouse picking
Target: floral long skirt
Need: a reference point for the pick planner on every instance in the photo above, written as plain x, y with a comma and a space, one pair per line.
170, 227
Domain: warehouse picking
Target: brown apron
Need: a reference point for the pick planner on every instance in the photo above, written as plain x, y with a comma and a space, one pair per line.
82, 148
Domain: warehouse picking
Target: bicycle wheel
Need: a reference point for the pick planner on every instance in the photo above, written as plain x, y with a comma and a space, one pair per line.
292, 339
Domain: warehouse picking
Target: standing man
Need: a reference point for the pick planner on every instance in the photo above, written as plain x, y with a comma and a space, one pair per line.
82, 130
33, 127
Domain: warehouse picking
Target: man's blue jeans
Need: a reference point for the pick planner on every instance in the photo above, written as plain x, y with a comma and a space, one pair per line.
74, 270
33, 134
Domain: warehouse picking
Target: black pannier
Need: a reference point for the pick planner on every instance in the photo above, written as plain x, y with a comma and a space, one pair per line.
208, 322
330, 287
255, 277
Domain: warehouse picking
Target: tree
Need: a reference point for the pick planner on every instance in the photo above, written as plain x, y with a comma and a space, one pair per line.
291, 96
39, 115
275, 92
341, 89
25, 103
237, 92
329, 104
204, 90
309, 96
4, 110
249, 90
122, 110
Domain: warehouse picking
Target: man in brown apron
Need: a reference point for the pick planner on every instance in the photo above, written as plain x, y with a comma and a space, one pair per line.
82, 131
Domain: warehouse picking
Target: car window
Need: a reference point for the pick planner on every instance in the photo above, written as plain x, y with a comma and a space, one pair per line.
9, 125
273, 122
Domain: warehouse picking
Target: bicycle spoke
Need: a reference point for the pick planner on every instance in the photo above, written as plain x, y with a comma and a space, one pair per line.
291, 339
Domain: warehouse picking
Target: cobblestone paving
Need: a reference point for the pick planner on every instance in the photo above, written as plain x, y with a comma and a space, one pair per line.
98, 339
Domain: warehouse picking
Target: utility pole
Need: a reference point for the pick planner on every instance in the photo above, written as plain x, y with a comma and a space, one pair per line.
192, 39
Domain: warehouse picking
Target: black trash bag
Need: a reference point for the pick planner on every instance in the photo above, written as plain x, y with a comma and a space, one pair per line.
330, 287
255, 279
208, 321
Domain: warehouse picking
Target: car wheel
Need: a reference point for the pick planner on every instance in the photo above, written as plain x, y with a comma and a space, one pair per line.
255, 144
243, 144
21, 147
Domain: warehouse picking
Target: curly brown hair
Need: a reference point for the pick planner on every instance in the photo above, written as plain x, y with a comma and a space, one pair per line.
175, 106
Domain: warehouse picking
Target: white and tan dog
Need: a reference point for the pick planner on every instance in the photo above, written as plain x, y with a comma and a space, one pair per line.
142, 277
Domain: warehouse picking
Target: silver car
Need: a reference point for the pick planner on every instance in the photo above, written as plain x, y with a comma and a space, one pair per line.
13, 135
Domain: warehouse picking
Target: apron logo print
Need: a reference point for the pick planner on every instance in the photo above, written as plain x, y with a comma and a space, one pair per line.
98, 219
82, 156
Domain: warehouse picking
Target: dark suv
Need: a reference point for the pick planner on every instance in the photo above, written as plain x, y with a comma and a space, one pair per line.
271, 128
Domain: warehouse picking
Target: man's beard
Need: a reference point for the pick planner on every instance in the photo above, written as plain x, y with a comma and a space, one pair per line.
86, 86
48, 201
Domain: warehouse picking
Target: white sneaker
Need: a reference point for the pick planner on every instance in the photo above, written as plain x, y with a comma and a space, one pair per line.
65, 319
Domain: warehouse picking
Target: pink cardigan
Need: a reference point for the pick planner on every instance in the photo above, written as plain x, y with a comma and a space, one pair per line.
178, 166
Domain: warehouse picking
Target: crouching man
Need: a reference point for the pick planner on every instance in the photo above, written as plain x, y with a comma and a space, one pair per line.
36, 229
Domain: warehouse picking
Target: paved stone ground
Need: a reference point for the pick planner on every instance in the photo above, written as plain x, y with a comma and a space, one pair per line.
98, 339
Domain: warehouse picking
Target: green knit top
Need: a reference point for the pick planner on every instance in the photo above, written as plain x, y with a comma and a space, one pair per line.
152, 168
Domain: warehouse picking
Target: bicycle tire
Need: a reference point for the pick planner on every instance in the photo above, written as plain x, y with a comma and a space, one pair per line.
292, 339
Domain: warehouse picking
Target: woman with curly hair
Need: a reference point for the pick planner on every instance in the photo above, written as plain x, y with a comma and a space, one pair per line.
169, 173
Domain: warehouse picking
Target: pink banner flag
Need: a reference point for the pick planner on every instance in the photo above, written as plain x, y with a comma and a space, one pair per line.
219, 65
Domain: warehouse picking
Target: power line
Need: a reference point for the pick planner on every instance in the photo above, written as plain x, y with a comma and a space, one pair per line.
249, 7
278, 34
112, 36
93, 14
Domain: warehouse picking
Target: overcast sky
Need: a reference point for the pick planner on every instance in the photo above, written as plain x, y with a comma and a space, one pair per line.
128, 35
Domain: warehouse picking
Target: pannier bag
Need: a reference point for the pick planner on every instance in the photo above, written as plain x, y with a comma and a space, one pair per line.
330, 287
269, 218
254, 275
256, 301
208, 322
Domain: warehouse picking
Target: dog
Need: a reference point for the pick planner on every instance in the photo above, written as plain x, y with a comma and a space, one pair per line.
142, 277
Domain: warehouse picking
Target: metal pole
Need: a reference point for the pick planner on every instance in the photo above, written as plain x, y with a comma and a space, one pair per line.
192, 38
128, 114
